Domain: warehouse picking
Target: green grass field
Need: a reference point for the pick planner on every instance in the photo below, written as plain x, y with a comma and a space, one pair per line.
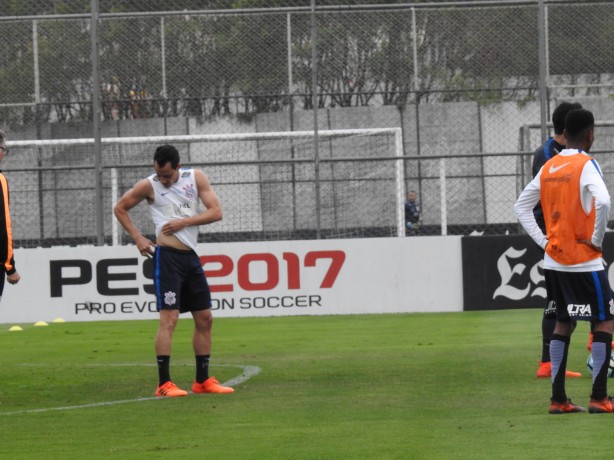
414, 386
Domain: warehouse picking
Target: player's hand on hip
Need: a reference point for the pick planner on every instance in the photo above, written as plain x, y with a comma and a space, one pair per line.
589, 243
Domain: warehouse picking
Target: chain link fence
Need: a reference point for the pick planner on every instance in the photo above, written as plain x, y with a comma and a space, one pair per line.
461, 81
267, 182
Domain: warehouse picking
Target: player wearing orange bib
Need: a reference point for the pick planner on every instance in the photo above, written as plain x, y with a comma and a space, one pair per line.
8, 271
549, 150
576, 205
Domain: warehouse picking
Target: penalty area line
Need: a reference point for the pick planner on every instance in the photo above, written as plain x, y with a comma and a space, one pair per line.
248, 373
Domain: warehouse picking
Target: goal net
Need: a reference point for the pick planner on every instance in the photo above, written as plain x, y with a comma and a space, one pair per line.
272, 186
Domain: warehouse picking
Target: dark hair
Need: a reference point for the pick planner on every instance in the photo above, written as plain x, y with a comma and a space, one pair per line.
578, 123
165, 154
559, 114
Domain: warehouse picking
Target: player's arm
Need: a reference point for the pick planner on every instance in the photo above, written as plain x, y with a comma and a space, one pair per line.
12, 275
6, 241
599, 197
523, 208
212, 211
141, 191
539, 159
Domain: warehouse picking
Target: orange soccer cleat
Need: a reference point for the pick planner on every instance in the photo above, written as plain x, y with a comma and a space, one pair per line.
601, 407
170, 390
211, 385
545, 370
566, 407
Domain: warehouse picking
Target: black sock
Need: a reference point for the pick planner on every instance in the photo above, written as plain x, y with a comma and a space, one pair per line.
548, 325
559, 347
164, 366
602, 349
202, 368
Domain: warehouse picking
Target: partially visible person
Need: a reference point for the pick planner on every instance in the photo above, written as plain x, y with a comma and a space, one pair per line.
8, 272
174, 196
552, 147
576, 206
412, 214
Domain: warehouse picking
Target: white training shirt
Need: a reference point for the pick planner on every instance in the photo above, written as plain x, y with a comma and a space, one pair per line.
592, 188
178, 201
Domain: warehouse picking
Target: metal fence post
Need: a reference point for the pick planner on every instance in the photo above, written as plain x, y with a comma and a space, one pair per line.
96, 126
37, 115
541, 43
414, 39
314, 99
163, 71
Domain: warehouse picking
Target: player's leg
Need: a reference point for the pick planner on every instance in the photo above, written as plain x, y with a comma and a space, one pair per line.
548, 325
589, 344
559, 350
203, 383
544, 369
196, 296
163, 345
166, 328
201, 341
599, 297
166, 282
559, 344
602, 350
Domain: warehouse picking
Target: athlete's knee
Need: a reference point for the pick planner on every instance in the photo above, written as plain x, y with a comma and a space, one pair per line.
203, 320
564, 327
604, 326
168, 319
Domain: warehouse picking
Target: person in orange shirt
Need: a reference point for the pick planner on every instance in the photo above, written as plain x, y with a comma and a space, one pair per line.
8, 272
576, 206
551, 148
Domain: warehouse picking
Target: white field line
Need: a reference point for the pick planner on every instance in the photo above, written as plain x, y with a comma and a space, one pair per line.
248, 372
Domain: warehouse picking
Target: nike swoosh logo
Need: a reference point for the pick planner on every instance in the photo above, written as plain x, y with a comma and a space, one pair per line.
552, 169
170, 192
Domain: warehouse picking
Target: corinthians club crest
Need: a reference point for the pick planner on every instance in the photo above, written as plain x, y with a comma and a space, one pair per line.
190, 193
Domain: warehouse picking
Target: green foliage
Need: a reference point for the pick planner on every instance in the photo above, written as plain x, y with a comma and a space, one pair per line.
42, 7
436, 386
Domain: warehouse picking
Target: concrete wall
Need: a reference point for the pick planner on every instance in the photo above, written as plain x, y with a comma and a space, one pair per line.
478, 190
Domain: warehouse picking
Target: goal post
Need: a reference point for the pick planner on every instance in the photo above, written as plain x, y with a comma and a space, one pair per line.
266, 182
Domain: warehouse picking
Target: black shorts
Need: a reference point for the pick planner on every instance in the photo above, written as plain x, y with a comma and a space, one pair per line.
580, 295
179, 281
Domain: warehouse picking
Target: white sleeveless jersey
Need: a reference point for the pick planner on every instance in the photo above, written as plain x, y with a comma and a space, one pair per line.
178, 201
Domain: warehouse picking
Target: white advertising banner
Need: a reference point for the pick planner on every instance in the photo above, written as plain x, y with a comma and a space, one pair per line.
312, 277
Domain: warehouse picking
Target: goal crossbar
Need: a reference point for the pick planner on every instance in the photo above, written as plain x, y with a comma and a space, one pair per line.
233, 137
395, 155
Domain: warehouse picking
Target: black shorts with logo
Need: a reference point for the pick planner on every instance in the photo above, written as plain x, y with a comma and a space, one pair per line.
179, 281
580, 295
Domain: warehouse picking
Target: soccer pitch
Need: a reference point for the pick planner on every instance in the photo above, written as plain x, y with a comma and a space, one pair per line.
406, 386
